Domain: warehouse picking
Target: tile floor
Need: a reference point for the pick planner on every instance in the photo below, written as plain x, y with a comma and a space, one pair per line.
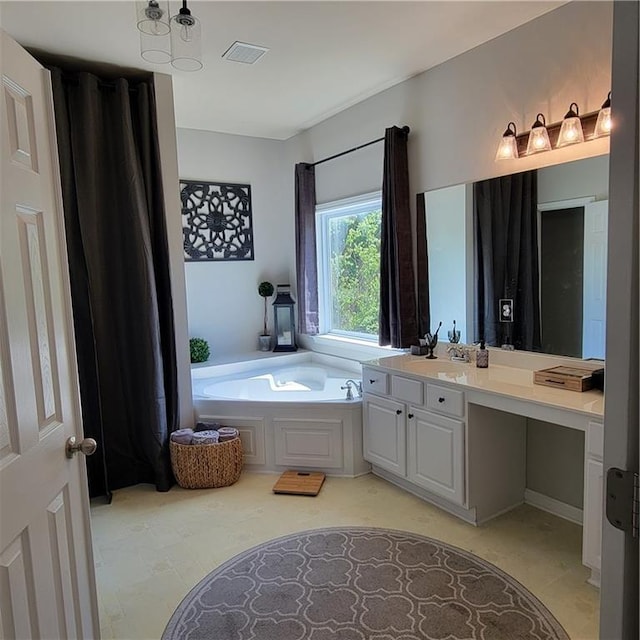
151, 548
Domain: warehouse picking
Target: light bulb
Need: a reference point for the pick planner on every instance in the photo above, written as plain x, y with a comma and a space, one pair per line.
185, 32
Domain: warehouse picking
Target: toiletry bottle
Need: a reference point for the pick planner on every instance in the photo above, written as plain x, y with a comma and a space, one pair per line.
482, 357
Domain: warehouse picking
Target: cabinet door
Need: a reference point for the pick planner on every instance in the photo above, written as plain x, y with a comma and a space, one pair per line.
385, 434
593, 507
435, 454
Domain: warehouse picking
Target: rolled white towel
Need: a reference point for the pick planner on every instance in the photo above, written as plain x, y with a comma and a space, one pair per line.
182, 436
205, 437
227, 433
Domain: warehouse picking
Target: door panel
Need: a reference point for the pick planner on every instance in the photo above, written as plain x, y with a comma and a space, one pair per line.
47, 584
436, 454
385, 434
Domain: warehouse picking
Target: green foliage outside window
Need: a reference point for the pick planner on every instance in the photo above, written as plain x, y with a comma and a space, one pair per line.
355, 272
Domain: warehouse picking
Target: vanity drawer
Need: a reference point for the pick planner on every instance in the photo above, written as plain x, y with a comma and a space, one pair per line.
595, 440
408, 390
445, 400
375, 381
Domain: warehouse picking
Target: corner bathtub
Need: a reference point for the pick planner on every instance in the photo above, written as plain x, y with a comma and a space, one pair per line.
289, 409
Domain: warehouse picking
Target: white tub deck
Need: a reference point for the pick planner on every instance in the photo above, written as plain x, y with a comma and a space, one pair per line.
289, 409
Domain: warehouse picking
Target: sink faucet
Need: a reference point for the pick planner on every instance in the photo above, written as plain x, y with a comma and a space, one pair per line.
349, 386
459, 353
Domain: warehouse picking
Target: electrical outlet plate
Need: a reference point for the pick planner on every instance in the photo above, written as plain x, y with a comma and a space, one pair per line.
506, 310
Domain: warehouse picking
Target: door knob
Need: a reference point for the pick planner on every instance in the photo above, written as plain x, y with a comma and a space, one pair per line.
87, 446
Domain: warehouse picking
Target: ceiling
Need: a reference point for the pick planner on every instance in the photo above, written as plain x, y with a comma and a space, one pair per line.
323, 58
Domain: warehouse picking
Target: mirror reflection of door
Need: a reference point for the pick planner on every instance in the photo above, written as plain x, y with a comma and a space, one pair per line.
573, 249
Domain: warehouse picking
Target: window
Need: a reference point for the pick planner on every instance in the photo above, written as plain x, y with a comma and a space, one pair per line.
348, 240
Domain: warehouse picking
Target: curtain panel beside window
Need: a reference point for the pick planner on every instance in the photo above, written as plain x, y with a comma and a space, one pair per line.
398, 309
306, 252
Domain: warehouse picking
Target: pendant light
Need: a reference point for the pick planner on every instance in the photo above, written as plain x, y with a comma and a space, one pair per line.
153, 17
603, 123
508, 147
571, 129
186, 43
153, 23
539, 136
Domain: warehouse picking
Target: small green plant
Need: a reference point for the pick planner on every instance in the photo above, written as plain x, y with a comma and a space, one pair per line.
265, 289
199, 350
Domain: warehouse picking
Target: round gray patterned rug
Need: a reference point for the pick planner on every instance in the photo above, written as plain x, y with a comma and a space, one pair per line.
360, 584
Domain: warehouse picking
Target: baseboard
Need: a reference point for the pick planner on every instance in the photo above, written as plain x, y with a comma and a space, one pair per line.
551, 505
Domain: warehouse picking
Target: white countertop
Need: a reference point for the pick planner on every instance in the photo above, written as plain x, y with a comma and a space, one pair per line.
502, 380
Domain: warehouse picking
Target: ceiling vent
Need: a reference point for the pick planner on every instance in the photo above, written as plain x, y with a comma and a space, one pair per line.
243, 52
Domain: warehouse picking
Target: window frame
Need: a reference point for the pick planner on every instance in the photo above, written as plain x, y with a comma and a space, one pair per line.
325, 212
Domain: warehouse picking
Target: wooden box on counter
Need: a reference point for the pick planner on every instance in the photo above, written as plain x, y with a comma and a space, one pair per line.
571, 378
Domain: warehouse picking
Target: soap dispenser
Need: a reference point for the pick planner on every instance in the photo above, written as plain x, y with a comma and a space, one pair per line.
482, 356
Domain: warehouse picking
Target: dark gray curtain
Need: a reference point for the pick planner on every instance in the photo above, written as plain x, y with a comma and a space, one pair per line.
422, 266
120, 280
306, 264
398, 320
505, 211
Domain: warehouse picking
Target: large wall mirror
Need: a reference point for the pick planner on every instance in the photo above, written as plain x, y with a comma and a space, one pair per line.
560, 255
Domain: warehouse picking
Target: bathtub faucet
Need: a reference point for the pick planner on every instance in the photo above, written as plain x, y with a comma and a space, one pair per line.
349, 385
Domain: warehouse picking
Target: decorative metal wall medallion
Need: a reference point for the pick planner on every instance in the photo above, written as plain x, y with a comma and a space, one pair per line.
216, 221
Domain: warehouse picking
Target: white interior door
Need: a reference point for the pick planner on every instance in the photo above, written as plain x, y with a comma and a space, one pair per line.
594, 298
620, 584
47, 583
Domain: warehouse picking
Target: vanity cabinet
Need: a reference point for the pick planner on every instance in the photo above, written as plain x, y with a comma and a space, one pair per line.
423, 447
593, 500
435, 454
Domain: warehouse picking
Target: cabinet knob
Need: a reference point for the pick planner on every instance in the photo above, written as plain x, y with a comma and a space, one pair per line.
398, 412
410, 415
372, 380
441, 399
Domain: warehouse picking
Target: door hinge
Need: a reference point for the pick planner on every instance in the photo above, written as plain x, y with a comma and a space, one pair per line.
623, 500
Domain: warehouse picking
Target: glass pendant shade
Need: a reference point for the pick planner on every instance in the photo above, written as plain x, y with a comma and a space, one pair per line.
571, 129
508, 147
156, 49
539, 136
603, 123
153, 17
186, 42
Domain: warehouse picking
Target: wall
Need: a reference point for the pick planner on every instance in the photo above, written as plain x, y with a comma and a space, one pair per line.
168, 161
588, 177
223, 304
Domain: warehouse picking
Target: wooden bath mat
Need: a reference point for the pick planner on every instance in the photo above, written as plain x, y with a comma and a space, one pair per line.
299, 483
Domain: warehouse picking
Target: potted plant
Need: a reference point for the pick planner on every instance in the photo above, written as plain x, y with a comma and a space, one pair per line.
265, 289
199, 349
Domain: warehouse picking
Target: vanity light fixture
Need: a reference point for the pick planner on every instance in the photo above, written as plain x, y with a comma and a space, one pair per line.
603, 123
175, 39
538, 136
574, 128
508, 147
571, 129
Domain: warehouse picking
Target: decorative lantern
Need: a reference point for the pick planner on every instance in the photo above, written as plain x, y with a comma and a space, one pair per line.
284, 320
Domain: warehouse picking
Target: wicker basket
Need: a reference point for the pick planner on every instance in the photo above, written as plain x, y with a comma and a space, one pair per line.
206, 466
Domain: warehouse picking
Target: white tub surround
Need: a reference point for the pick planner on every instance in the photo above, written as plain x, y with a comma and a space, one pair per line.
289, 409
455, 435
